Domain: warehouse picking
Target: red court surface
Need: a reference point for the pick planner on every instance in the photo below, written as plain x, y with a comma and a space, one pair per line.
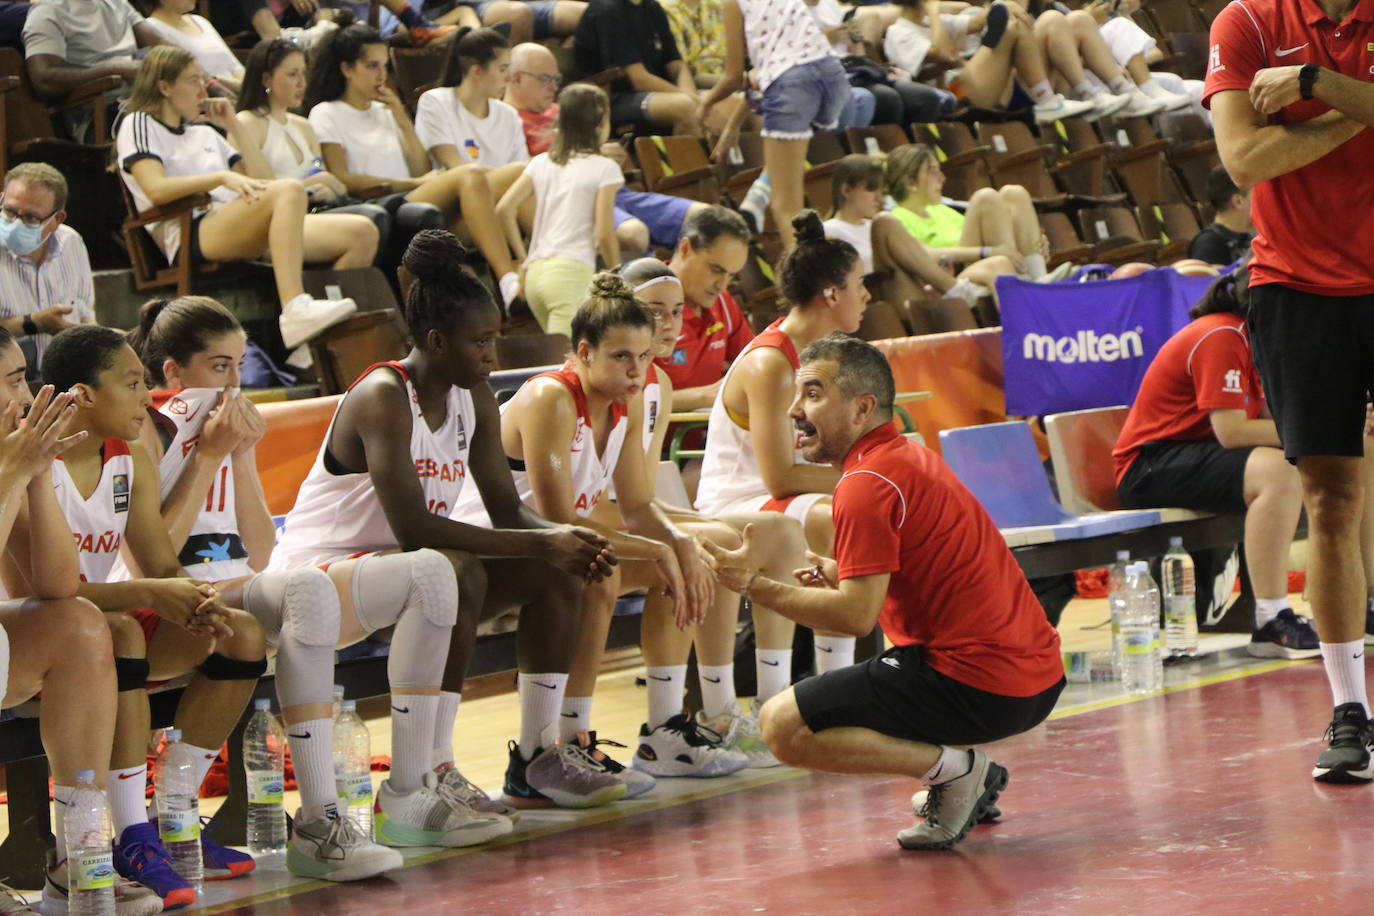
1200, 801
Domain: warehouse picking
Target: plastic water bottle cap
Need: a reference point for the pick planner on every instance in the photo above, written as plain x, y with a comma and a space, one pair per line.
85, 775
1123, 556
1176, 542
262, 705
350, 705
338, 691
173, 735
1138, 566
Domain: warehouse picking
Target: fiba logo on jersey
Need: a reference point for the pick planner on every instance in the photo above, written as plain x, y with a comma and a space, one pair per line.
462, 436
177, 406
119, 486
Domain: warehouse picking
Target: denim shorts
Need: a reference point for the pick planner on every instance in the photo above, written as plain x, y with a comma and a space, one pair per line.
662, 213
542, 9
805, 96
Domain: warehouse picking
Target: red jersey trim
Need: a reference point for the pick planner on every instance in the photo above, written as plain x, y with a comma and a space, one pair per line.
571, 381
773, 336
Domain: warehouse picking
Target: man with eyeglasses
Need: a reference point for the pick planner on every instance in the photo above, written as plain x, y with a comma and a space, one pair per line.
45, 273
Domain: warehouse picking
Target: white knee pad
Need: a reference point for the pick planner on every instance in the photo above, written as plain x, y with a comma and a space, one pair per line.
298, 603
433, 587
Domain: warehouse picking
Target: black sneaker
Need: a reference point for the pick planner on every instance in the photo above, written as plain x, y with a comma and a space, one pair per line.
517, 791
1349, 741
1286, 636
636, 782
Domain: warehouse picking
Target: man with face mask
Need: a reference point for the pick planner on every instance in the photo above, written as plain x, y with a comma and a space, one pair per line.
45, 273
973, 659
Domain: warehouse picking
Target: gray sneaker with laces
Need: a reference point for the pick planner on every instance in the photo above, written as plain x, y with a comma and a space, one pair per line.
472, 794
336, 849
568, 776
953, 808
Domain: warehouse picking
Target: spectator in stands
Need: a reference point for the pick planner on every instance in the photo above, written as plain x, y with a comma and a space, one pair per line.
176, 24
714, 247
368, 140
698, 28
996, 222
641, 217
165, 152
70, 42
1227, 238
50, 640
573, 187
45, 275
884, 244
991, 46
1135, 50
1200, 436
529, 20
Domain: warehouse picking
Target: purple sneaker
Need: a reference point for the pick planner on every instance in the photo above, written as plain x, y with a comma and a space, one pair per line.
140, 856
221, 862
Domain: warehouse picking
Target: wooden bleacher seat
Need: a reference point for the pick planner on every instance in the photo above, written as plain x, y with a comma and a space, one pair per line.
149, 265
1000, 464
882, 321
1018, 157
28, 118
1172, 225
877, 138
416, 70
1065, 242
1082, 165
523, 350
741, 167
344, 351
678, 166
1116, 235
1193, 152
823, 152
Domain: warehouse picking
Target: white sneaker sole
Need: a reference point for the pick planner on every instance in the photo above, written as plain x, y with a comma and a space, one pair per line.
294, 335
711, 769
572, 800
1274, 650
355, 871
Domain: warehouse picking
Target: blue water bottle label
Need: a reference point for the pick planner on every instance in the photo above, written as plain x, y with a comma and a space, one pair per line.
178, 826
91, 872
355, 789
1138, 642
264, 789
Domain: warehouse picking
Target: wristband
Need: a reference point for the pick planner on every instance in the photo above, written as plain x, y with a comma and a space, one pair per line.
983, 252
1307, 78
30, 328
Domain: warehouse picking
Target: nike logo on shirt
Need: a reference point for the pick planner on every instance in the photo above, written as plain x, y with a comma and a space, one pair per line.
1284, 52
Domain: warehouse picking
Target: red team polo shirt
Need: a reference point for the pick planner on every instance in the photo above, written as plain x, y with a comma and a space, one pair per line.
955, 587
1314, 224
708, 341
1206, 366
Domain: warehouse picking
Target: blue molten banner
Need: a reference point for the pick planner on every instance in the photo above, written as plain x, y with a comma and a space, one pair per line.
1072, 346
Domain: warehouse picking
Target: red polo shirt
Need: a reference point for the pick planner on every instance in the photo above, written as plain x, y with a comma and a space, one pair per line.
1206, 366
1314, 223
538, 128
955, 587
708, 341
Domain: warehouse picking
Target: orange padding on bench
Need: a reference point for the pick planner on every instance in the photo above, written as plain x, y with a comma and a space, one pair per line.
295, 430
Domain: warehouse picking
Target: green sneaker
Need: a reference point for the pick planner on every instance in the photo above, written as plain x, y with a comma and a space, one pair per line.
432, 815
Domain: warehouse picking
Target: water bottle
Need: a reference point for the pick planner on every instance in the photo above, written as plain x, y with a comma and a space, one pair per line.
264, 762
1180, 601
1116, 603
338, 699
178, 808
353, 765
90, 869
1142, 667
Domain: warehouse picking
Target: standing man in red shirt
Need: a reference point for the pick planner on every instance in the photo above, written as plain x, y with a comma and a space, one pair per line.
713, 248
974, 659
1296, 134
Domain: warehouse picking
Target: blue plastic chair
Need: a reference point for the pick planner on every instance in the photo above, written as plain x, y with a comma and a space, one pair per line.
1000, 464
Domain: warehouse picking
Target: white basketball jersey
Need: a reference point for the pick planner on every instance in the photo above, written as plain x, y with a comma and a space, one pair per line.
213, 552
654, 412
338, 514
98, 522
591, 473
730, 469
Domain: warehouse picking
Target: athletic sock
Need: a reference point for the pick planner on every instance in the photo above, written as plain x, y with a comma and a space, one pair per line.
717, 688
1086, 89
444, 719
1035, 266
773, 669
203, 758
312, 757
61, 797
541, 698
833, 652
1041, 93
1121, 84
1344, 664
412, 737
1266, 609
665, 692
127, 790
952, 764
755, 205
576, 716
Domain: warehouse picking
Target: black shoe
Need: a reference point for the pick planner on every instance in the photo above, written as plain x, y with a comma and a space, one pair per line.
1349, 741
517, 791
995, 25
1286, 636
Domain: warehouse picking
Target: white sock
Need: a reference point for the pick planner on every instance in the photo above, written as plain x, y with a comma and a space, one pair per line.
756, 201
576, 716
1041, 93
444, 718
1086, 89
1266, 609
1344, 664
312, 757
952, 764
1035, 266
202, 757
1153, 89
666, 683
773, 668
541, 698
833, 652
509, 285
127, 791
412, 737
61, 797
717, 688
1121, 84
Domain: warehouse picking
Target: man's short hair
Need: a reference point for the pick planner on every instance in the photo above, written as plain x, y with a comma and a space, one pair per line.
863, 368
1220, 188
706, 224
42, 175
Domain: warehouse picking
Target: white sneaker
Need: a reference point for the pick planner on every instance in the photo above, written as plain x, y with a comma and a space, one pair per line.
1173, 101
510, 287
1105, 104
131, 898
303, 317
952, 809
1140, 105
432, 815
336, 849
11, 903
967, 290
680, 747
1059, 107
739, 732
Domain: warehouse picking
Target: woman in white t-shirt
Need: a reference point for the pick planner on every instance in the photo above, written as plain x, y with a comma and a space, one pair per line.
171, 142
176, 24
368, 140
574, 187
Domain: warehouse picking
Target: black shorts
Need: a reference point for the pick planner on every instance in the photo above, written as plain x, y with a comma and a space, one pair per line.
1193, 474
630, 108
1316, 357
197, 256
900, 695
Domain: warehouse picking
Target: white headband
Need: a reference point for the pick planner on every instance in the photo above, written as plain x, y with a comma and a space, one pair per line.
656, 280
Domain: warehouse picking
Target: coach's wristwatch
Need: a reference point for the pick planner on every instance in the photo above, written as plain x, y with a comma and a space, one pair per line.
1307, 78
